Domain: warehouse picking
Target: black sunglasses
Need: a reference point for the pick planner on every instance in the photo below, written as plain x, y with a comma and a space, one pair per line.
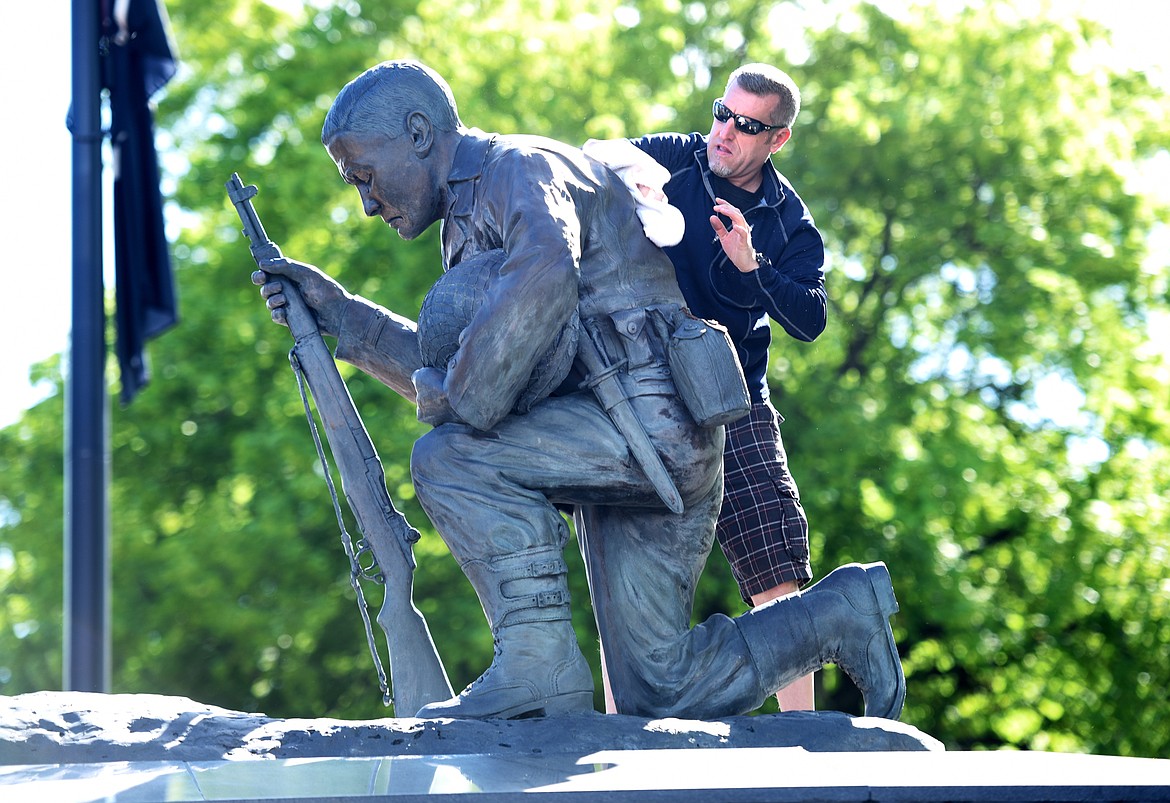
748, 125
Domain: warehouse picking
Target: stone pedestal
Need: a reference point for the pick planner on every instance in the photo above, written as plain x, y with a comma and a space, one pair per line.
68, 747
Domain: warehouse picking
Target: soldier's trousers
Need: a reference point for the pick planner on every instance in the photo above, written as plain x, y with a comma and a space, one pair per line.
496, 493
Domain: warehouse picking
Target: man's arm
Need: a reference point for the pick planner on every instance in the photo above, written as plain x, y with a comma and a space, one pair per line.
673, 151
793, 291
787, 281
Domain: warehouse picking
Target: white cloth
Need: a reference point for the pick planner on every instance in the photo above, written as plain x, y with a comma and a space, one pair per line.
645, 179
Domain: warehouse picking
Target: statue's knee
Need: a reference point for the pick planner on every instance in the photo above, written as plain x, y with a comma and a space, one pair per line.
430, 458
654, 703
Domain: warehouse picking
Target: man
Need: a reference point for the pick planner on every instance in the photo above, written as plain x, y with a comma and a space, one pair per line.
493, 482
750, 251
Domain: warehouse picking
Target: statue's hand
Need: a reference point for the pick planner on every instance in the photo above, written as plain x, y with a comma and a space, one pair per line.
322, 294
431, 397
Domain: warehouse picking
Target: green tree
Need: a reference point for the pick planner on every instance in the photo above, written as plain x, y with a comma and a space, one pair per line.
971, 174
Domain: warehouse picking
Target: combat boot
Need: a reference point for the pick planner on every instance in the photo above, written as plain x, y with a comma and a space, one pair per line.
842, 620
537, 668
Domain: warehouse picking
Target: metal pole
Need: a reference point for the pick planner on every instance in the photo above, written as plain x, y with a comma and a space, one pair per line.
87, 566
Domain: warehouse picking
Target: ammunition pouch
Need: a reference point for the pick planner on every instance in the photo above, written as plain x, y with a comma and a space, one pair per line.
666, 345
706, 371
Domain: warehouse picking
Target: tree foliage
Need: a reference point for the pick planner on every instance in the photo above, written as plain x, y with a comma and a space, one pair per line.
974, 176
989, 249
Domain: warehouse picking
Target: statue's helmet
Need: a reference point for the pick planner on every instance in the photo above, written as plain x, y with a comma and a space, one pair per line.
454, 300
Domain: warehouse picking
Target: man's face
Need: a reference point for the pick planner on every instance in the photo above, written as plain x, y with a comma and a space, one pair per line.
394, 183
737, 156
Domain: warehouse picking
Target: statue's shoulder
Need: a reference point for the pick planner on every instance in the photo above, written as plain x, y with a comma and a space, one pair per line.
530, 158
533, 147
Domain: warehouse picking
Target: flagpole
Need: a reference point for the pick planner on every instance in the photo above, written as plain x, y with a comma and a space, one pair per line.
86, 665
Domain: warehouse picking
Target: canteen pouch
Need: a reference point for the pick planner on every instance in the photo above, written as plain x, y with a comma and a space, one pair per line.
706, 371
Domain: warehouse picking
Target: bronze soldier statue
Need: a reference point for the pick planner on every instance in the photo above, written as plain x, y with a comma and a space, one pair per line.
494, 481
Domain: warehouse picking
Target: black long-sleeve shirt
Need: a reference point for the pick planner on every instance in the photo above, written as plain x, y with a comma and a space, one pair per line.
791, 290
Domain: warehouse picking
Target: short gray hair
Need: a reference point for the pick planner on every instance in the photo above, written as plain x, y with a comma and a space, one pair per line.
379, 100
764, 80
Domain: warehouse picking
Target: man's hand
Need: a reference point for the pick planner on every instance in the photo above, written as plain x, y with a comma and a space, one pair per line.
736, 241
434, 408
323, 295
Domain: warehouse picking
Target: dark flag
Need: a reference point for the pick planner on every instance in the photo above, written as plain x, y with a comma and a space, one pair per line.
137, 60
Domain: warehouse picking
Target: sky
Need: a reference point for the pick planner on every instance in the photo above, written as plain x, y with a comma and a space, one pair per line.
35, 301
37, 166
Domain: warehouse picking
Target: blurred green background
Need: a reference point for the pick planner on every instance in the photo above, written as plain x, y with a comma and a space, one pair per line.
988, 410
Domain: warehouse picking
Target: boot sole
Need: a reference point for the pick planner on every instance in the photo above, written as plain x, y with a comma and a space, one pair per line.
883, 592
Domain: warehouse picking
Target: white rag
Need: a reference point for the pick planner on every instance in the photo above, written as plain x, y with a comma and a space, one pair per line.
645, 179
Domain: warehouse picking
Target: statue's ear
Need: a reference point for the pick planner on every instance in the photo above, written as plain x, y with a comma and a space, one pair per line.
422, 133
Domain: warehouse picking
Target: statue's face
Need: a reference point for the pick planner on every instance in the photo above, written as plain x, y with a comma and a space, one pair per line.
394, 181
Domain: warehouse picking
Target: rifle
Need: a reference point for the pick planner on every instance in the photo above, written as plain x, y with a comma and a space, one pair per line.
415, 667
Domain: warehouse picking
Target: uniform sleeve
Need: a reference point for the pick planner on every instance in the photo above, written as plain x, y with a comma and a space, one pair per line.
381, 343
523, 202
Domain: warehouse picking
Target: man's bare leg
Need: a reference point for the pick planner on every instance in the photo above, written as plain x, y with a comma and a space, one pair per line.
610, 705
798, 695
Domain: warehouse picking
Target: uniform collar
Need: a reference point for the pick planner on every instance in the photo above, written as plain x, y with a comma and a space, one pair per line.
470, 155
466, 168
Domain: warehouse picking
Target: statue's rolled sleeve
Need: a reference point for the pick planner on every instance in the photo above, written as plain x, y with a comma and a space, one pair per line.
381, 343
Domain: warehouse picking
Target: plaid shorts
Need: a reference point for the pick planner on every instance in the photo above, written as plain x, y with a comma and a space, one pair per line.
762, 527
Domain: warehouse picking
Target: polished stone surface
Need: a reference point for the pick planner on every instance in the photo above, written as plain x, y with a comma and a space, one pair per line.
748, 774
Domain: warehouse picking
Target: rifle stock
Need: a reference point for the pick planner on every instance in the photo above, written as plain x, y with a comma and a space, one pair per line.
415, 667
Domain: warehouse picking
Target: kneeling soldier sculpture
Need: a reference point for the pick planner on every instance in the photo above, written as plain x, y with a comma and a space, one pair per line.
614, 442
